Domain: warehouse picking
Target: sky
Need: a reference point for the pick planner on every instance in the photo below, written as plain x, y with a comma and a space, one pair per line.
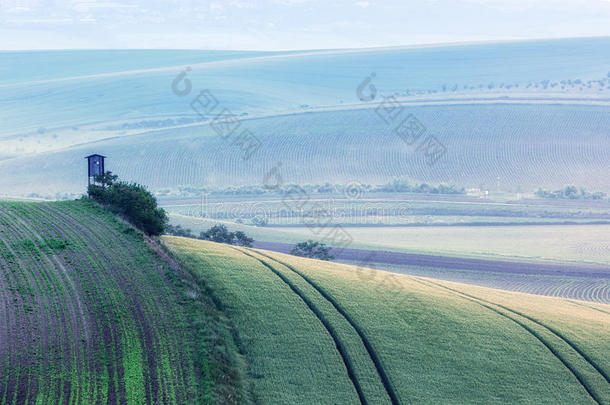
290, 24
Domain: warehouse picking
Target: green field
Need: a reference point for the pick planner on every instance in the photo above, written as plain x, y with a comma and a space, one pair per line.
93, 311
89, 313
319, 332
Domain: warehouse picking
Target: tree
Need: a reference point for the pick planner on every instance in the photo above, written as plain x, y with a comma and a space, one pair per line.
217, 233
106, 179
313, 250
220, 234
242, 239
131, 200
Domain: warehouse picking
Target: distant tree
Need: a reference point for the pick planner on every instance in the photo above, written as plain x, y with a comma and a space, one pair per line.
598, 195
217, 233
241, 239
311, 249
132, 201
220, 233
570, 193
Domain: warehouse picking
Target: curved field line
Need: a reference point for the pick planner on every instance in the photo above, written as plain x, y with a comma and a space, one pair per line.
72, 224
85, 234
69, 294
550, 329
108, 335
589, 307
367, 344
487, 304
31, 273
171, 382
331, 331
179, 379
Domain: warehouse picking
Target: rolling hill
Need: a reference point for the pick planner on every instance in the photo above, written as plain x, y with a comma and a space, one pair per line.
319, 332
90, 313
93, 311
512, 116
515, 147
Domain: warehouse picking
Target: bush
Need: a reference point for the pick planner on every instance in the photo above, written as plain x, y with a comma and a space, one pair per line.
570, 193
131, 200
313, 250
220, 234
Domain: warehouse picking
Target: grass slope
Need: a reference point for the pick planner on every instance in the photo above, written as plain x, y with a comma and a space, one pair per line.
399, 339
89, 313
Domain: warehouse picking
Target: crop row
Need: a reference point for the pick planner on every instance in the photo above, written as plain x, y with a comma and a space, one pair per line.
94, 318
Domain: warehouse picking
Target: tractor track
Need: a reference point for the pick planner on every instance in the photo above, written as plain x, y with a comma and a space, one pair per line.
365, 341
331, 331
489, 305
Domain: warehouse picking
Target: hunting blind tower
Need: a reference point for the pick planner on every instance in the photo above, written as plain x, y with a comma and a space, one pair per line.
95, 166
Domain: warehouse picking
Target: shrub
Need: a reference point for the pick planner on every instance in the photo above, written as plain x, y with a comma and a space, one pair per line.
242, 239
570, 193
220, 234
311, 249
131, 200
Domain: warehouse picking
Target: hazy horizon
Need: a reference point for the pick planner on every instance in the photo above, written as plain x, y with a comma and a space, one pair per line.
280, 25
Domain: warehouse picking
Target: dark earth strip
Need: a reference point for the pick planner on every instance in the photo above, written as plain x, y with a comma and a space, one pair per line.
366, 257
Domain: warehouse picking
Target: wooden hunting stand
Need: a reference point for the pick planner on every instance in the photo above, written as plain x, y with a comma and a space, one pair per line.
95, 166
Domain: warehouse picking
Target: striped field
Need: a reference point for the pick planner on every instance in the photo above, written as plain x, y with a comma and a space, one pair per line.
319, 332
87, 314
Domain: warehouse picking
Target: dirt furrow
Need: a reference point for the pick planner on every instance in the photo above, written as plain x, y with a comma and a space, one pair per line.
73, 323
160, 306
8, 322
22, 343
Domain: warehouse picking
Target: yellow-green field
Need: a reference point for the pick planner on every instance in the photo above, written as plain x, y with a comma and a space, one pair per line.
319, 332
